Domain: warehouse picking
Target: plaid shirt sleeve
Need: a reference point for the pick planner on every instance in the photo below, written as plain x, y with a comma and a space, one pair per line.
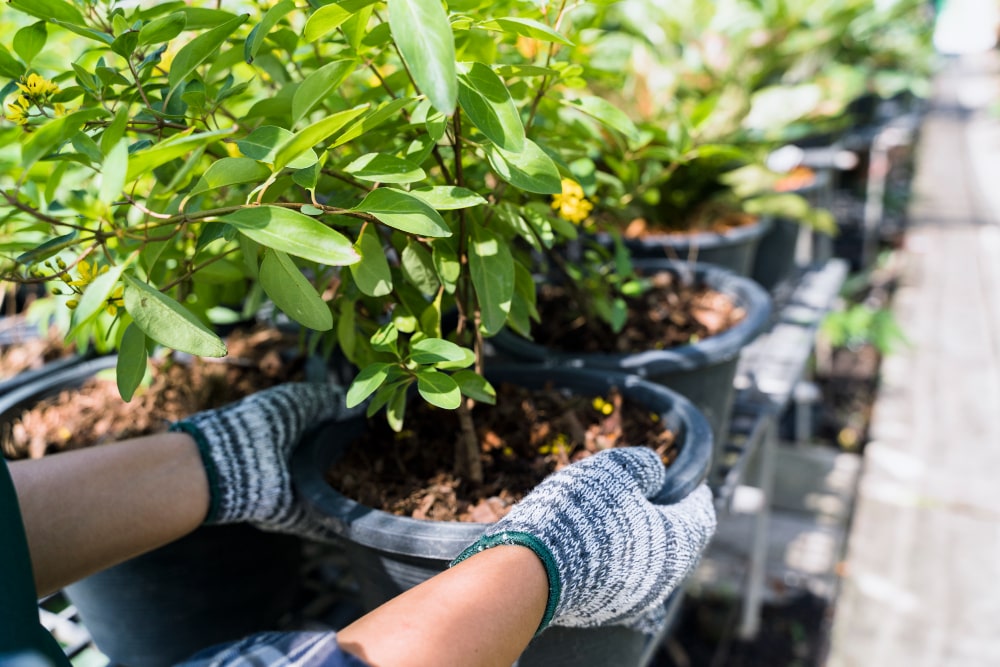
277, 649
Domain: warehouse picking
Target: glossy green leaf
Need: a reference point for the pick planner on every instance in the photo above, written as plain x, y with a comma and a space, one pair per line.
144, 161
132, 361
113, 173
29, 41
10, 67
47, 249
96, 35
607, 114
260, 31
319, 85
382, 168
169, 323
50, 10
162, 29
403, 211
421, 30
262, 145
55, 132
485, 99
200, 49
475, 387
418, 268
372, 273
448, 197
366, 382
395, 410
230, 171
293, 293
531, 169
523, 306
95, 296
202, 18
323, 21
115, 130
492, 269
435, 350
526, 28
372, 120
290, 231
304, 140
438, 389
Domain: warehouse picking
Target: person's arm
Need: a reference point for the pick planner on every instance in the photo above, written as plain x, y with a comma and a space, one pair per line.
89, 509
480, 613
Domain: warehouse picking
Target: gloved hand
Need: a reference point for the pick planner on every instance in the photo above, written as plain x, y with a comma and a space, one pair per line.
612, 556
246, 447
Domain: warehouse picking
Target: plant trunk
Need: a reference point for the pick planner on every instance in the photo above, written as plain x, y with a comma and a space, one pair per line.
468, 462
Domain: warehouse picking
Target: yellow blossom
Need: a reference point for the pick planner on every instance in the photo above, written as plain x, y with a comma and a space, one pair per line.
87, 273
60, 109
17, 114
603, 406
37, 87
571, 202
115, 301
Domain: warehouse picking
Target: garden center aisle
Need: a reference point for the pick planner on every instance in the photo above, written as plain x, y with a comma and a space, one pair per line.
922, 576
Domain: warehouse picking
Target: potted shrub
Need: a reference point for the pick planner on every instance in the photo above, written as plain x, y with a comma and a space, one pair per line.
192, 166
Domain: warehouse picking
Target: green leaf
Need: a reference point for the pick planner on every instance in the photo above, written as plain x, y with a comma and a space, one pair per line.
522, 307
372, 120
609, 115
50, 10
290, 231
29, 41
131, 362
89, 33
382, 168
448, 197
95, 296
418, 268
438, 389
531, 169
168, 322
423, 34
323, 21
125, 45
144, 161
262, 145
53, 133
293, 293
162, 29
202, 18
366, 382
200, 49
113, 172
492, 269
475, 387
485, 98
114, 132
260, 31
526, 28
229, 171
396, 409
403, 211
435, 350
47, 249
319, 84
304, 140
10, 67
372, 273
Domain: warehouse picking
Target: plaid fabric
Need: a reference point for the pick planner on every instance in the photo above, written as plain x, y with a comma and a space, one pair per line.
277, 649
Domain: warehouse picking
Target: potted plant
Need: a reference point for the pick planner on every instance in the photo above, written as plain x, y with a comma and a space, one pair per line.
365, 178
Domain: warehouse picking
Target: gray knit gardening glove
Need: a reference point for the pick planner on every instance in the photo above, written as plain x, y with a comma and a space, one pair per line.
246, 446
612, 556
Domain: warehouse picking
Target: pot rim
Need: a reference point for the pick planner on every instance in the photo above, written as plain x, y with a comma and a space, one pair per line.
444, 540
51, 382
748, 233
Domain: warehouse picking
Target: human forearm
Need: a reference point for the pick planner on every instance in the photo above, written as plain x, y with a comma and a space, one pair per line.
89, 509
480, 613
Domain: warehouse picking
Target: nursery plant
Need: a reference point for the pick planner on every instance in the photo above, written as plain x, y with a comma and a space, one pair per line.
377, 172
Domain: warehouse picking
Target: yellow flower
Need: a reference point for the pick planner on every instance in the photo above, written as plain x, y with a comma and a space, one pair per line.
36, 86
87, 272
603, 406
60, 109
571, 202
115, 301
17, 114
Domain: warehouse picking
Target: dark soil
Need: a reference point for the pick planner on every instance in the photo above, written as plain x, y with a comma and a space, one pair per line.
671, 313
95, 413
526, 436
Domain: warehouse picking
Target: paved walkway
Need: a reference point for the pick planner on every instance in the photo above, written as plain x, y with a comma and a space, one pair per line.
922, 580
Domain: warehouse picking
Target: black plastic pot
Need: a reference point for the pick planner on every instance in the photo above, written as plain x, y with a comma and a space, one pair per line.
217, 584
774, 262
15, 331
703, 371
390, 554
733, 249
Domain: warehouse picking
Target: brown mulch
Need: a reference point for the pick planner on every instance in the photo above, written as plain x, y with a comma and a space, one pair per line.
672, 313
708, 218
32, 353
526, 436
95, 413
